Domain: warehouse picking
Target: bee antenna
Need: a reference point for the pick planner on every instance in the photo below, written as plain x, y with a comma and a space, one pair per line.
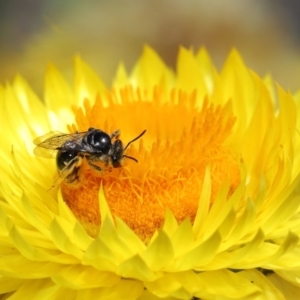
132, 142
130, 157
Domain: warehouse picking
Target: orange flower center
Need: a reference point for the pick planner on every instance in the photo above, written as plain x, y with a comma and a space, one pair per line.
181, 141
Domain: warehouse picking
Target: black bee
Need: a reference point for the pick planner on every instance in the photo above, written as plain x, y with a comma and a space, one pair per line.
94, 145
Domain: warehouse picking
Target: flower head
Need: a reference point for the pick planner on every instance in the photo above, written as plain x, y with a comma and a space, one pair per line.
210, 210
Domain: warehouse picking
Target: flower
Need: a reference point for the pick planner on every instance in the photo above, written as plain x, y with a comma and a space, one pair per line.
210, 211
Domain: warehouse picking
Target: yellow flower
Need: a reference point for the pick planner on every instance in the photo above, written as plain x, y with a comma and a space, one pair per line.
210, 211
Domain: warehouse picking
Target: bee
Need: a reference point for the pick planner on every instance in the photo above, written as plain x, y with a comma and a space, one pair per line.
93, 145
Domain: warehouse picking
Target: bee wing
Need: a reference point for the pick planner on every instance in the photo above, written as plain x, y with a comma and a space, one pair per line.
43, 152
47, 144
39, 140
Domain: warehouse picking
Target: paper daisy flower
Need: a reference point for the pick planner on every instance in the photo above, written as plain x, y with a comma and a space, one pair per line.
209, 211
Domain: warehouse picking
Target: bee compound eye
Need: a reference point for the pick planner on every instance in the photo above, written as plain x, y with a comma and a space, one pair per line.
101, 141
63, 157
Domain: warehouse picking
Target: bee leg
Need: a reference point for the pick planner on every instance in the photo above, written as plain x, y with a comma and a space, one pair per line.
73, 176
97, 168
69, 172
104, 159
115, 134
91, 160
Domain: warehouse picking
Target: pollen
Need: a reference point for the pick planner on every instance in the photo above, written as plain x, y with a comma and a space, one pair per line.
182, 140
